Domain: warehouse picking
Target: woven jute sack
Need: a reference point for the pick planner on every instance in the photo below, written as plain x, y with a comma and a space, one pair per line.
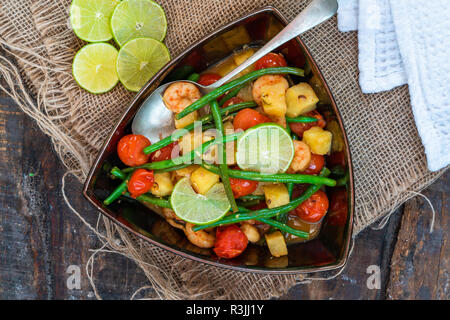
39, 46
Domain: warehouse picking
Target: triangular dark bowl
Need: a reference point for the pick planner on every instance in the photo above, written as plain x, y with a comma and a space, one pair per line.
326, 252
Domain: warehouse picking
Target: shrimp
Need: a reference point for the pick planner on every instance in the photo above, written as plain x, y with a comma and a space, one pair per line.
302, 156
267, 81
180, 95
172, 219
200, 238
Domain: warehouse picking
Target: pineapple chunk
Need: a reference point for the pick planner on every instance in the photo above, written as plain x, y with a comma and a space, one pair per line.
190, 141
277, 244
318, 140
276, 195
273, 99
163, 185
236, 37
225, 67
186, 120
240, 58
300, 99
202, 180
186, 172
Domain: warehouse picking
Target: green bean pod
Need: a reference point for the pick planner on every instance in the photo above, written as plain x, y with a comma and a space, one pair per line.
302, 119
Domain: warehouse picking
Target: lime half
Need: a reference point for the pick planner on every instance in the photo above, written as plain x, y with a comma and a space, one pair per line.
94, 67
90, 19
197, 208
138, 19
139, 59
265, 148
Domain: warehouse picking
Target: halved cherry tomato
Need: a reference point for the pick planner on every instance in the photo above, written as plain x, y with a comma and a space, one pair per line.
141, 181
315, 165
299, 127
231, 241
242, 187
166, 152
207, 79
247, 118
232, 101
313, 209
130, 149
270, 60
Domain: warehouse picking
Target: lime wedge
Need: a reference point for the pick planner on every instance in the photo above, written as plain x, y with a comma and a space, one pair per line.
138, 19
197, 208
266, 148
94, 67
90, 19
139, 59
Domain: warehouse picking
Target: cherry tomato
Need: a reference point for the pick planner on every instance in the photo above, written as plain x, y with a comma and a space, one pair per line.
232, 101
166, 152
293, 53
270, 60
242, 187
130, 149
315, 165
141, 181
247, 118
313, 209
337, 215
231, 241
299, 127
207, 79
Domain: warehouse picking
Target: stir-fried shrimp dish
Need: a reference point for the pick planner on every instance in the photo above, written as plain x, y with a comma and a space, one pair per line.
246, 164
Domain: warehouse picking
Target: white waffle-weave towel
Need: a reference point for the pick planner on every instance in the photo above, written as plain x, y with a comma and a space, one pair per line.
407, 41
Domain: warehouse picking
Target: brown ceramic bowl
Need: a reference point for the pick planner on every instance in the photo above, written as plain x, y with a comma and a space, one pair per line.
329, 250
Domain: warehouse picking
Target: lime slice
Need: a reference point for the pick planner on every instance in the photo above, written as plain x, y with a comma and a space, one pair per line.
94, 67
266, 148
138, 19
90, 19
139, 59
197, 208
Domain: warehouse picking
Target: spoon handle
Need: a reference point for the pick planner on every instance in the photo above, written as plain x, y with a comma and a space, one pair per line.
314, 14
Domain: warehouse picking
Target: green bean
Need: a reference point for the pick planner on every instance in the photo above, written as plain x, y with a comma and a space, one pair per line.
152, 199
234, 83
174, 168
252, 197
231, 94
282, 226
194, 77
266, 213
285, 228
301, 119
249, 203
278, 177
187, 158
204, 123
223, 167
118, 173
120, 190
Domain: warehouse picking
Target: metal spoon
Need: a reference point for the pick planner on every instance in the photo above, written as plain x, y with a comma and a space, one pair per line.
155, 121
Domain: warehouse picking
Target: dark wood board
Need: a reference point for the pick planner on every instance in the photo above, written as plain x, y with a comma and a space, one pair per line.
40, 237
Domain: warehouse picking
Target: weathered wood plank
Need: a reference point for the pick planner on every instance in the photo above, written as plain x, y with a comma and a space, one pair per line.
420, 262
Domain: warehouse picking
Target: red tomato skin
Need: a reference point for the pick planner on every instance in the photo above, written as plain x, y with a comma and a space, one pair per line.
298, 127
232, 101
207, 79
242, 187
166, 152
313, 209
315, 165
247, 118
270, 60
141, 181
231, 241
129, 150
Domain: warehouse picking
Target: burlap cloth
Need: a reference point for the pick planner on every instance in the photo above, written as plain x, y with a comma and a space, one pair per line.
388, 157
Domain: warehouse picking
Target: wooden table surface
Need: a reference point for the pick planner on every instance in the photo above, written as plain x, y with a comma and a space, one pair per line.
42, 241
